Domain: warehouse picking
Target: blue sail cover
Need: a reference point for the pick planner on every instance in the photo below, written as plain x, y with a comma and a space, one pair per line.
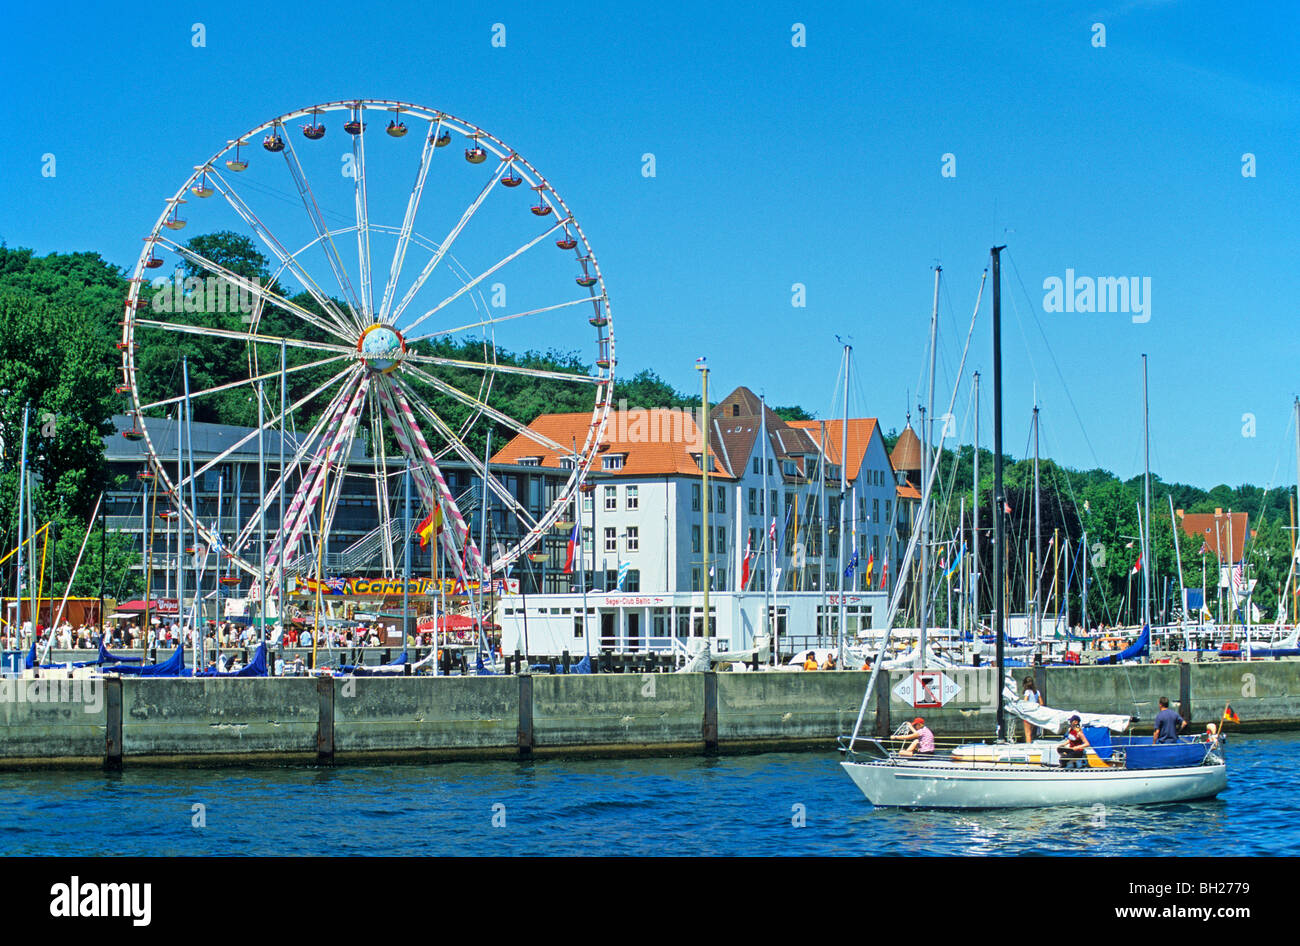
107, 658
256, 667
1139, 648
482, 670
31, 657
361, 670
173, 666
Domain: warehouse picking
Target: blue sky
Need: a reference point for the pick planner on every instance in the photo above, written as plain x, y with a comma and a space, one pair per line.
777, 165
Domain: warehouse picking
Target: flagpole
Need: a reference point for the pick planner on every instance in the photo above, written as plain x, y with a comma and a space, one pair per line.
704, 467
768, 625
844, 466
406, 558
261, 523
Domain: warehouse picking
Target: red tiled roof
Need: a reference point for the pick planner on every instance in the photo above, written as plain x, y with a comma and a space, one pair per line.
906, 455
1203, 525
655, 442
908, 491
861, 430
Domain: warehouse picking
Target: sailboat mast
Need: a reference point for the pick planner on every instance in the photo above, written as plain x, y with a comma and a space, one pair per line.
999, 498
1146, 501
927, 425
975, 520
771, 553
261, 516
1295, 595
844, 484
16, 629
1035, 614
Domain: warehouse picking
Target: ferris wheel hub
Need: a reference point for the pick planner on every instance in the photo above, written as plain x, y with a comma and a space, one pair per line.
381, 348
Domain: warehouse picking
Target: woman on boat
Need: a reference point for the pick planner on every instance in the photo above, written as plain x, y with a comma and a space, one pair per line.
1031, 696
920, 739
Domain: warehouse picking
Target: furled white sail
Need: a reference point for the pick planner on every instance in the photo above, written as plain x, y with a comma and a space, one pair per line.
1056, 720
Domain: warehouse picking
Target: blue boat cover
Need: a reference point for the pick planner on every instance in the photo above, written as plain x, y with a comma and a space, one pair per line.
482, 670
255, 668
1145, 755
1099, 738
1139, 648
106, 658
173, 666
31, 657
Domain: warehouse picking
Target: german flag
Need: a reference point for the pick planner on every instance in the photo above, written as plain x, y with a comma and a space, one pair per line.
431, 526
1230, 715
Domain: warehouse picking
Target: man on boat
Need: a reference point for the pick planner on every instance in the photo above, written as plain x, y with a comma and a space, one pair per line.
1167, 724
1074, 743
920, 740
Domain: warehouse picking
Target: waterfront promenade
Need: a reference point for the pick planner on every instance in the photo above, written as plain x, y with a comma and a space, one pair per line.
334, 720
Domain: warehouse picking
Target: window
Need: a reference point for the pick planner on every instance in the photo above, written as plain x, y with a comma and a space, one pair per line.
875, 510
722, 580
753, 501
588, 502
695, 497
633, 502
611, 540
722, 538
632, 583
888, 509
611, 498
613, 461
758, 465
611, 579
695, 580
530, 461
586, 539
566, 463
633, 539
772, 505
577, 627
722, 499
695, 540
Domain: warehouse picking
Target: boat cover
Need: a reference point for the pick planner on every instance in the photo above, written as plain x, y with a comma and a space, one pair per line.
255, 668
173, 666
1139, 648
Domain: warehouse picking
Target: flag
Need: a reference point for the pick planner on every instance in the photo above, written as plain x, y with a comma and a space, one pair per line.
1239, 576
1230, 715
335, 586
852, 566
1006, 507
431, 526
956, 562
1137, 566
622, 575
744, 566
771, 530
884, 575
1204, 548
871, 564
568, 555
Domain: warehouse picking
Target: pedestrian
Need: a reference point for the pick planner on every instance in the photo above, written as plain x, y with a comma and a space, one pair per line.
920, 740
1031, 696
1168, 723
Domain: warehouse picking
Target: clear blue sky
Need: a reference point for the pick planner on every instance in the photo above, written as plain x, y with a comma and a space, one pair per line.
778, 165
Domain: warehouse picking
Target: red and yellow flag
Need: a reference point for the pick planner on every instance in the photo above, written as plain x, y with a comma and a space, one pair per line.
1230, 715
431, 526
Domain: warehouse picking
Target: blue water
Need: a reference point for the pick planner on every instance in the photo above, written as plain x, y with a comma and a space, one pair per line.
732, 805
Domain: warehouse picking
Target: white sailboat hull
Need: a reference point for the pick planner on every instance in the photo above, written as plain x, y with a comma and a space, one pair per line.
926, 783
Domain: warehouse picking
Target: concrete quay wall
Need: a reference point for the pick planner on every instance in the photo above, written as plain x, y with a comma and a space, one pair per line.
124, 721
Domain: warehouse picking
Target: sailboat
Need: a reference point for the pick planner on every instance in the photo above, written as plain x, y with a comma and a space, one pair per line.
1118, 770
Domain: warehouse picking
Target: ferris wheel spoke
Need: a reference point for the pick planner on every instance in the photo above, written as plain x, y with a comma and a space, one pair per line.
379, 457
495, 321
408, 222
502, 369
486, 273
448, 240
278, 250
263, 294
469, 457
267, 376
488, 410
302, 446
322, 231
363, 217
244, 336
252, 434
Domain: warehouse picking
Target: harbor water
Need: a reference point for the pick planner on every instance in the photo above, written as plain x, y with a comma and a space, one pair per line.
768, 804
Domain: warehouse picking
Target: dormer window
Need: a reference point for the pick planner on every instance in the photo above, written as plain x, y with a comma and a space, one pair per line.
612, 461
566, 463
530, 461
713, 464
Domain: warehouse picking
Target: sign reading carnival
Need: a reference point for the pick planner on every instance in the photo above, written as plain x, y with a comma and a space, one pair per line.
385, 587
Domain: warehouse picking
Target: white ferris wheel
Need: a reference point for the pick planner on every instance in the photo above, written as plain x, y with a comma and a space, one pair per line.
412, 272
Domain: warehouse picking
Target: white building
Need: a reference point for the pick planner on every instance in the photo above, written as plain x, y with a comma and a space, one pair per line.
644, 534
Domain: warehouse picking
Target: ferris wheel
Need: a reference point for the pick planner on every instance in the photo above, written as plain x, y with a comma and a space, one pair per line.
390, 293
